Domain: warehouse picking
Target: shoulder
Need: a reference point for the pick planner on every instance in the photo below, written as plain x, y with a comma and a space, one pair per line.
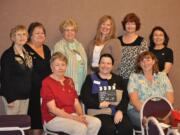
7, 53
169, 50
114, 41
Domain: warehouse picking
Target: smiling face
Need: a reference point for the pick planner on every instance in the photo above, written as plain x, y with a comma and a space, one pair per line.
69, 33
58, 67
105, 65
130, 27
20, 37
38, 35
158, 37
147, 64
106, 27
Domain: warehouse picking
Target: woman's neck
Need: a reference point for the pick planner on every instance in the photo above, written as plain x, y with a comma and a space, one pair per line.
148, 75
129, 37
36, 45
105, 76
59, 78
158, 47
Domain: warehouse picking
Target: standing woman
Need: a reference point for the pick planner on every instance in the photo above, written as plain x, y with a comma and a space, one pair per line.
16, 71
105, 41
132, 45
158, 46
41, 68
74, 51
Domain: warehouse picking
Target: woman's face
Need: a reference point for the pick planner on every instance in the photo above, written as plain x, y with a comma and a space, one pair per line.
69, 33
38, 35
147, 64
20, 37
58, 67
158, 37
105, 28
130, 27
105, 65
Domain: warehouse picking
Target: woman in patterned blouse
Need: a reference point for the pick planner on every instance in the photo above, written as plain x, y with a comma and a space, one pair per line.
147, 81
132, 45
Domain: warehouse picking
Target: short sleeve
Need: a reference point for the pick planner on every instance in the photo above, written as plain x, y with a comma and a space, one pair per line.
169, 57
46, 92
132, 83
166, 82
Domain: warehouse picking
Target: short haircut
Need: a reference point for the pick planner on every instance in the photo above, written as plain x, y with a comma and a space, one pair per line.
31, 28
131, 17
106, 55
140, 58
166, 37
17, 28
60, 56
66, 23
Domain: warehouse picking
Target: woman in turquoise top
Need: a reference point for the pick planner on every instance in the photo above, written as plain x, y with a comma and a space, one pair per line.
74, 51
147, 81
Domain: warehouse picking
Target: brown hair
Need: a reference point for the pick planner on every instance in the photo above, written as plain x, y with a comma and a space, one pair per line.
60, 56
31, 28
131, 17
98, 32
140, 58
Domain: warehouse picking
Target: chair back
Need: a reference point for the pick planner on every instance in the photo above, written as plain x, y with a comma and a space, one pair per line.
156, 106
153, 127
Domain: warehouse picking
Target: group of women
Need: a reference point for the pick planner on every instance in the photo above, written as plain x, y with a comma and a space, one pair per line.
30, 74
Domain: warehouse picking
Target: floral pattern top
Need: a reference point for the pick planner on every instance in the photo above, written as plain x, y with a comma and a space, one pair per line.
145, 89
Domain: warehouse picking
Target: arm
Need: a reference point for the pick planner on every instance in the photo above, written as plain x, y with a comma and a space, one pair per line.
167, 67
168, 61
133, 93
90, 100
134, 100
78, 107
170, 97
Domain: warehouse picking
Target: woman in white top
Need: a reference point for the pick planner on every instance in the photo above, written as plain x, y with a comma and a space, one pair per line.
104, 42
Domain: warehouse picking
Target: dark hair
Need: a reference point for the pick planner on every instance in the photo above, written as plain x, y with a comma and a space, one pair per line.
140, 58
166, 37
32, 26
107, 55
131, 17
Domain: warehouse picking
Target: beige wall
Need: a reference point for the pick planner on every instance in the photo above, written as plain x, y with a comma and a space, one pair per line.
87, 12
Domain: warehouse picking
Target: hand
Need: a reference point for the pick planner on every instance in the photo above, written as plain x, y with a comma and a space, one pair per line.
81, 119
118, 117
104, 104
10, 105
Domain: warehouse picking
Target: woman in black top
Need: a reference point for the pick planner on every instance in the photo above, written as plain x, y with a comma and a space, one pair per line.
116, 122
15, 74
41, 68
158, 45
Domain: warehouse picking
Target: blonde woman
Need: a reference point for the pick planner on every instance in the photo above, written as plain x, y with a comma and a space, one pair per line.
74, 51
16, 67
105, 41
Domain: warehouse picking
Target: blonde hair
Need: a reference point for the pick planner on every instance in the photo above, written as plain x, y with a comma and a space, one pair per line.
60, 56
112, 32
17, 28
66, 23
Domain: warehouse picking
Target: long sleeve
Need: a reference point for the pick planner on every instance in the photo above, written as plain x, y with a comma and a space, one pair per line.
90, 100
125, 99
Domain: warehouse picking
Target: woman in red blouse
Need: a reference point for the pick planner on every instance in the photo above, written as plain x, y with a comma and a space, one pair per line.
61, 109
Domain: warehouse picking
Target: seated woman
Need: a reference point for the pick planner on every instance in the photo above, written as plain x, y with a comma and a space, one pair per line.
147, 81
61, 110
116, 122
